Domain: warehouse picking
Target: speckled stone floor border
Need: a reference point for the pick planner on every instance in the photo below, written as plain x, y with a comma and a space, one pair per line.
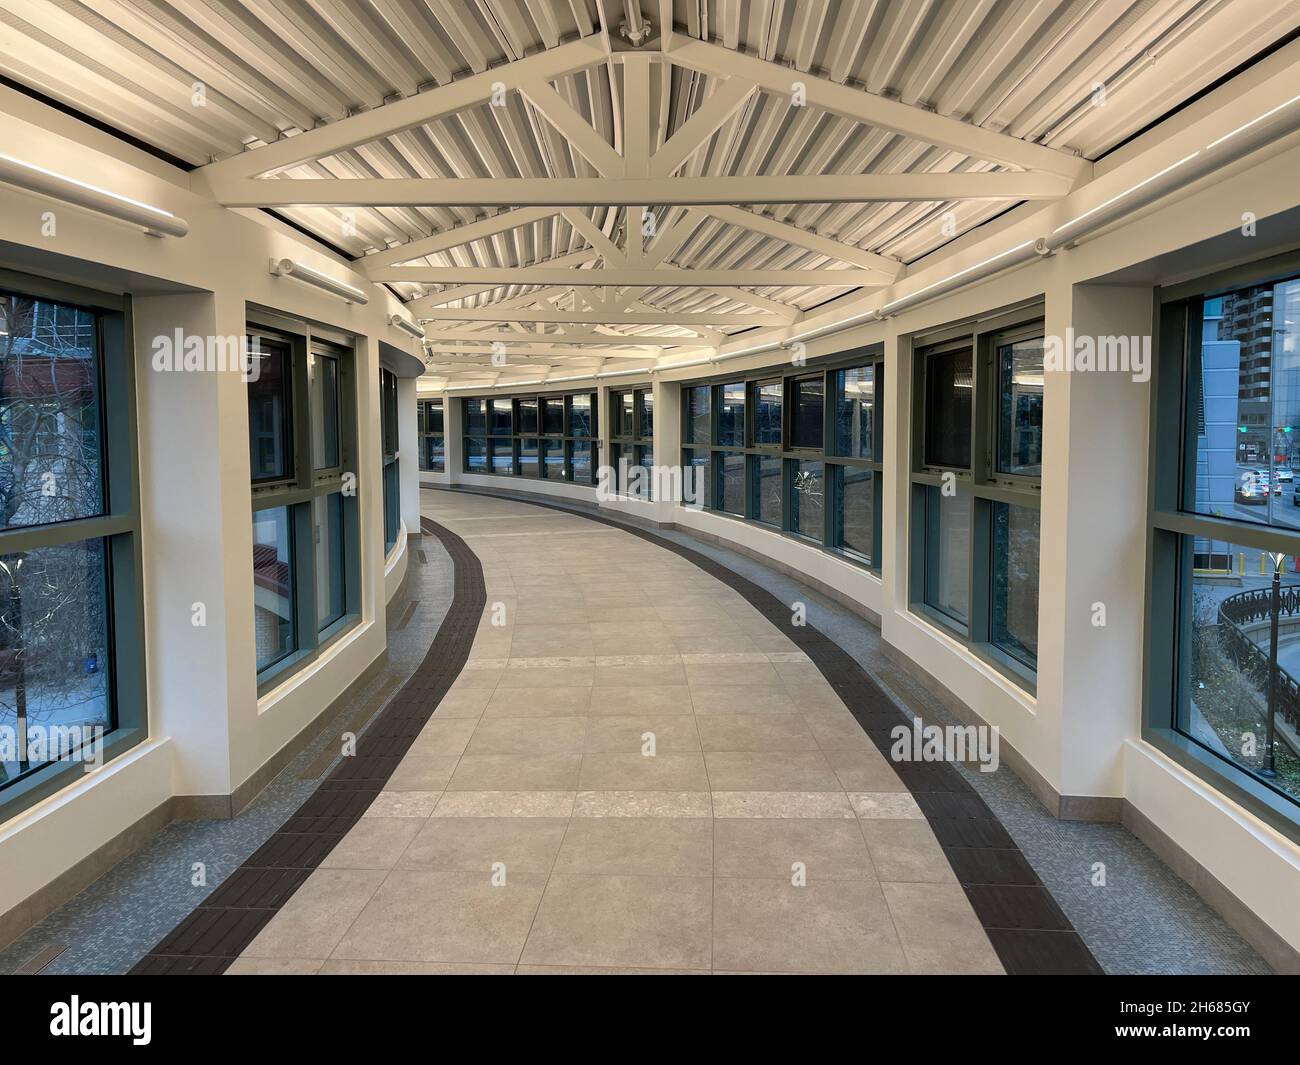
1029, 931
213, 935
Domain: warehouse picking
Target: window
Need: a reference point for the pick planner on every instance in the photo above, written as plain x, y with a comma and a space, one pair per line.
1222, 693
305, 522
391, 467
975, 510
631, 446
71, 640
548, 437
809, 462
270, 410
433, 445
807, 412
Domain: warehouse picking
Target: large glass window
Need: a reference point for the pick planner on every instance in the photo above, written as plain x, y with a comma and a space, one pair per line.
630, 446
391, 482
433, 442
795, 475
807, 412
975, 514
270, 391
1223, 682
306, 566
70, 640
548, 437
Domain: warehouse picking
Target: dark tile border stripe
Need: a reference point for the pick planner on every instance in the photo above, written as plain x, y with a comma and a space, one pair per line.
1029, 931
226, 922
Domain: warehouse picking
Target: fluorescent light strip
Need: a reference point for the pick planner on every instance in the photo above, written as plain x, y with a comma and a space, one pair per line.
289, 268
86, 185
46, 182
959, 274
1252, 122
624, 373
1127, 192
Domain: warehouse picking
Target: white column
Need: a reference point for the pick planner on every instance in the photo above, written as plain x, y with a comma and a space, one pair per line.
408, 454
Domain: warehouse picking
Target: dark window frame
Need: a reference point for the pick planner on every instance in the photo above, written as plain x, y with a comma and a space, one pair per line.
981, 481
299, 492
429, 437
501, 443
117, 526
827, 367
1174, 526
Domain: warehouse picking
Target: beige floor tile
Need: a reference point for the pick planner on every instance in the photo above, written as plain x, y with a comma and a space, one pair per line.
481, 673
602, 970
505, 804
373, 843
939, 931
528, 735
708, 699
906, 851
732, 674
886, 805
274, 967
681, 771
422, 772
410, 968
551, 641
314, 919
627, 735
770, 771
474, 844
638, 846
837, 732
516, 772
828, 849
780, 804
864, 770
625, 671
609, 644
755, 732
463, 703
444, 736
624, 700
659, 922
718, 641
403, 804
423, 915
831, 927
548, 673
538, 702
643, 804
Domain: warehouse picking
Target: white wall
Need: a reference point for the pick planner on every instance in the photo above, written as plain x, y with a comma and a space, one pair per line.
209, 731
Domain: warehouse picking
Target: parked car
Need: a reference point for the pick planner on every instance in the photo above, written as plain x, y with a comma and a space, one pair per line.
1252, 490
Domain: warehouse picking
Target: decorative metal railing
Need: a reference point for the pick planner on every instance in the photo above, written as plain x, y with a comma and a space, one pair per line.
1246, 608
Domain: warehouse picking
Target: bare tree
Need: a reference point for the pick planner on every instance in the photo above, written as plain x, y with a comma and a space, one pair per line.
51, 599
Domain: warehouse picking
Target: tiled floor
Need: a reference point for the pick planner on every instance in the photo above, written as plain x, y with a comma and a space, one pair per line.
635, 770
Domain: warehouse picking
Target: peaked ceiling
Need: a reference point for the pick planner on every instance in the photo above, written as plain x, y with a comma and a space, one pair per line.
489, 158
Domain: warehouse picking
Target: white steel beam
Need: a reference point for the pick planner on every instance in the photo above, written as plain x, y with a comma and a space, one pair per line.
631, 192
654, 277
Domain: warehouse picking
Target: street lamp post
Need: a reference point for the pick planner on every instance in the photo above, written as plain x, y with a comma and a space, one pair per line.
1270, 769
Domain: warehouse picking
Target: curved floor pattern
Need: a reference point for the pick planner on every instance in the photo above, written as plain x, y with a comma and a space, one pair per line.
214, 934
527, 829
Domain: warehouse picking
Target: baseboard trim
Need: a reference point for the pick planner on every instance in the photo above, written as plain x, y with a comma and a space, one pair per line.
71, 882
1275, 950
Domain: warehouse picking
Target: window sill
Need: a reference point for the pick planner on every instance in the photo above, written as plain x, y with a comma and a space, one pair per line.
288, 673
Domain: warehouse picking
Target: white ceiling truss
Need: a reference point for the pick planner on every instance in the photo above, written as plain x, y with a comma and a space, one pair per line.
585, 182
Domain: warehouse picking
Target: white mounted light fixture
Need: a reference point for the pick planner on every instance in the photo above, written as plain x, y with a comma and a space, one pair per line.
406, 325
289, 268
33, 178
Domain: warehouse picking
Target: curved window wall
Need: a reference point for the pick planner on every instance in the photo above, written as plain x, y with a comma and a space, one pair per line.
976, 475
547, 437
1223, 676
71, 641
795, 449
